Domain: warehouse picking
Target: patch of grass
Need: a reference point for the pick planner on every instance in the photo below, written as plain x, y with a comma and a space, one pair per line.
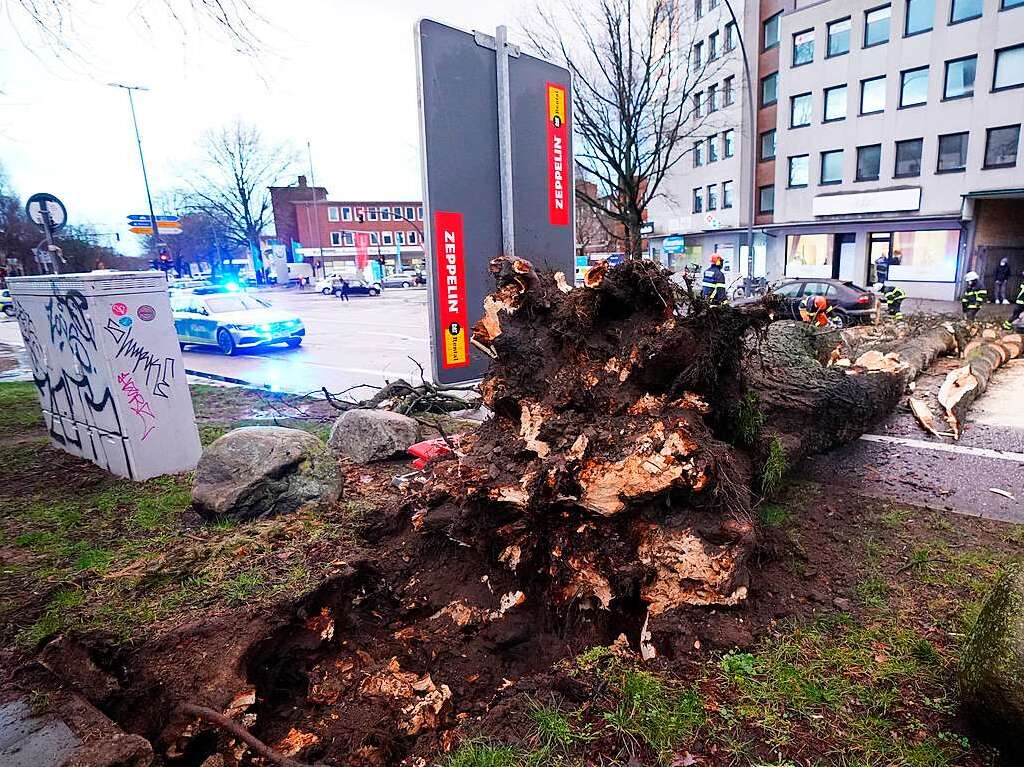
873, 591
895, 517
554, 730
738, 664
477, 754
1015, 535
651, 713
211, 432
19, 407
162, 507
55, 618
242, 587
773, 515
749, 419
775, 467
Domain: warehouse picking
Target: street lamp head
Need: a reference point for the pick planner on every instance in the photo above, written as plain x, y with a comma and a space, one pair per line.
128, 87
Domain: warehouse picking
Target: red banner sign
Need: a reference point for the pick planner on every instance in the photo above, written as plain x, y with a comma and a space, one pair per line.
451, 289
362, 249
559, 198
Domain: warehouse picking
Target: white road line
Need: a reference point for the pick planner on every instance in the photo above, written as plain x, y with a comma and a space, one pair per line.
942, 447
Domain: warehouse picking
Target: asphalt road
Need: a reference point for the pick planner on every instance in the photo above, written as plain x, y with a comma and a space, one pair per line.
366, 340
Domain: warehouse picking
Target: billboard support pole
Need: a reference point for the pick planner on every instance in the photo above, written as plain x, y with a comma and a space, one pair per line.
505, 142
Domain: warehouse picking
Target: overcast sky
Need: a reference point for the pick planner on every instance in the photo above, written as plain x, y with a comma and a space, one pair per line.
338, 74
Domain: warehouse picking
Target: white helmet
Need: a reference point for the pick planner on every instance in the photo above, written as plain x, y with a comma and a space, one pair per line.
877, 287
971, 276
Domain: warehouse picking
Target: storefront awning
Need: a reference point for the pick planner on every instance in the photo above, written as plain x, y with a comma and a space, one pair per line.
994, 193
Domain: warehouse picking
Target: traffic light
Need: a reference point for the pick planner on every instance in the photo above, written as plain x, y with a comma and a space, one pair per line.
163, 258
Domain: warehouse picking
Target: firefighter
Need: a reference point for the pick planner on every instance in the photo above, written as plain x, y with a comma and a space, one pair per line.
713, 282
893, 297
974, 296
1018, 306
815, 309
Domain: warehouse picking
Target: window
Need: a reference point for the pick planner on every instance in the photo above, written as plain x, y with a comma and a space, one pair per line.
869, 162
729, 143
712, 197
349, 238
419, 213
374, 238
1009, 68
332, 213
952, 153
385, 214
371, 214
960, 78
387, 239
698, 200
396, 212
771, 32
698, 153
1007, 4
803, 47
908, 158
730, 36
920, 17
713, 46
872, 95
346, 213
913, 87
712, 98
698, 8
807, 255
768, 145
728, 91
766, 199
876, 26
712, 4
335, 239
410, 213
1001, 146
727, 188
798, 170
832, 167
839, 37
697, 98
922, 255
800, 110
769, 89
360, 214
965, 10
835, 103
698, 54
412, 237
400, 238
712, 149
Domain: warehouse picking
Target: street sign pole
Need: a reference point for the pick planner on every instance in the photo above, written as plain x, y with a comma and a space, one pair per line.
508, 232
142, 158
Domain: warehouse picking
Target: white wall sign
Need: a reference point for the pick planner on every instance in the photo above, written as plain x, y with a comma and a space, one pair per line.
884, 201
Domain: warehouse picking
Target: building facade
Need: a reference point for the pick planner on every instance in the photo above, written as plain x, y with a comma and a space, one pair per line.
327, 231
884, 132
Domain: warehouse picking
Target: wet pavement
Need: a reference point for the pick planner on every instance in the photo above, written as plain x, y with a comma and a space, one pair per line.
30, 741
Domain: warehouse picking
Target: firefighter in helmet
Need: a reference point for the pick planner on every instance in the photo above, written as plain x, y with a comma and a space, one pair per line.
713, 282
974, 296
1018, 307
893, 297
815, 310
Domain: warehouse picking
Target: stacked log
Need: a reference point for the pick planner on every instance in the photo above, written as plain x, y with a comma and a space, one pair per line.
982, 357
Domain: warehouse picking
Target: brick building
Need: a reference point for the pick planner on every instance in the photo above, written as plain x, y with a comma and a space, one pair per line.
325, 231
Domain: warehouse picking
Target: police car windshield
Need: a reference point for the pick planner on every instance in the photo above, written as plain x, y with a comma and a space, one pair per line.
235, 303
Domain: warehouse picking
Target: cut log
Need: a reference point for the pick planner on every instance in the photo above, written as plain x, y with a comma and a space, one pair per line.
965, 384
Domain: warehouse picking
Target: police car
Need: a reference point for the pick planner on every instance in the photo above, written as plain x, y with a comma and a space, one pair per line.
232, 321
6, 303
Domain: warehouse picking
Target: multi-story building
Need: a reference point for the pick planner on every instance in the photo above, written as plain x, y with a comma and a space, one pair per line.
886, 131
326, 231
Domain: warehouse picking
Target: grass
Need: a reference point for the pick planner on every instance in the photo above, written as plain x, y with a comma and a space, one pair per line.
775, 467
749, 419
19, 407
774, 515
474, 754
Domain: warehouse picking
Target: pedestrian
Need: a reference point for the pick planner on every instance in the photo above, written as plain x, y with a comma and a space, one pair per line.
815, 310
893, 297
1002, 277
1018, 306
974, 296
713, 283
344, 289
882, 269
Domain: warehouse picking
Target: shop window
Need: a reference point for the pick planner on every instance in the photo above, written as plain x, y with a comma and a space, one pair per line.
965, 10
1001, 146
872, 95
959, 81
835, 103
952, 153
832, 167
808, 255
798, 171
869, 162
803, 47
908, 158
766, 199
1009, 68
924, 255
800, 111
839, 37
920, 17
876, 26
913, 87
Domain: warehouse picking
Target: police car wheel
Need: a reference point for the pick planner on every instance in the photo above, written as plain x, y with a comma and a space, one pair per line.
226, 343
9, 310
374, 292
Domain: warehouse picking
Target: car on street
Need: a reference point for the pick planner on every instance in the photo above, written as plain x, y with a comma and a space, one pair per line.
232, 321
403, 280
851, 304
356, 287
6, 303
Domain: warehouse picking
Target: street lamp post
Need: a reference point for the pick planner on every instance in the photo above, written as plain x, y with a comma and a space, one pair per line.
142, 159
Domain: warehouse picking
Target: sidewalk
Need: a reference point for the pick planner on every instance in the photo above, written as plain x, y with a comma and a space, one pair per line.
988, 313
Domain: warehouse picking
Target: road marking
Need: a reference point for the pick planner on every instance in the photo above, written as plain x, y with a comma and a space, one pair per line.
942, 447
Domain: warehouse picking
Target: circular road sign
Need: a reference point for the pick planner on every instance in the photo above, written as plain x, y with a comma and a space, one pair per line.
58, 213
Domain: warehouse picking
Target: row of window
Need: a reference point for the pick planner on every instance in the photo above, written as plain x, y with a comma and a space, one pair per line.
339, 239
727, 139
374, 213
919, 18
1000, 152
712, 197
706, 102
958, 82
712, 46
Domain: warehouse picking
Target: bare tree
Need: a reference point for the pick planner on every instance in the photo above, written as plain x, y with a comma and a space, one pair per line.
635, 77
230, 185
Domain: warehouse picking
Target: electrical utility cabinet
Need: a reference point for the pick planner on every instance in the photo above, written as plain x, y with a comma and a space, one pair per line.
107, 364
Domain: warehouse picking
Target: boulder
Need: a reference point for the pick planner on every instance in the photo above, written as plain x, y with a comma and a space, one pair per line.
259, 471
372, 435
991, 672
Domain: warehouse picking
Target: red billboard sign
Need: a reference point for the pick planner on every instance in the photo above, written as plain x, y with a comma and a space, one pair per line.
362, 249
558, 153
451, 289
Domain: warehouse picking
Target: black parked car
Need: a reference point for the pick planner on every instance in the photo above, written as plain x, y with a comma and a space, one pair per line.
358, 288
851, 303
